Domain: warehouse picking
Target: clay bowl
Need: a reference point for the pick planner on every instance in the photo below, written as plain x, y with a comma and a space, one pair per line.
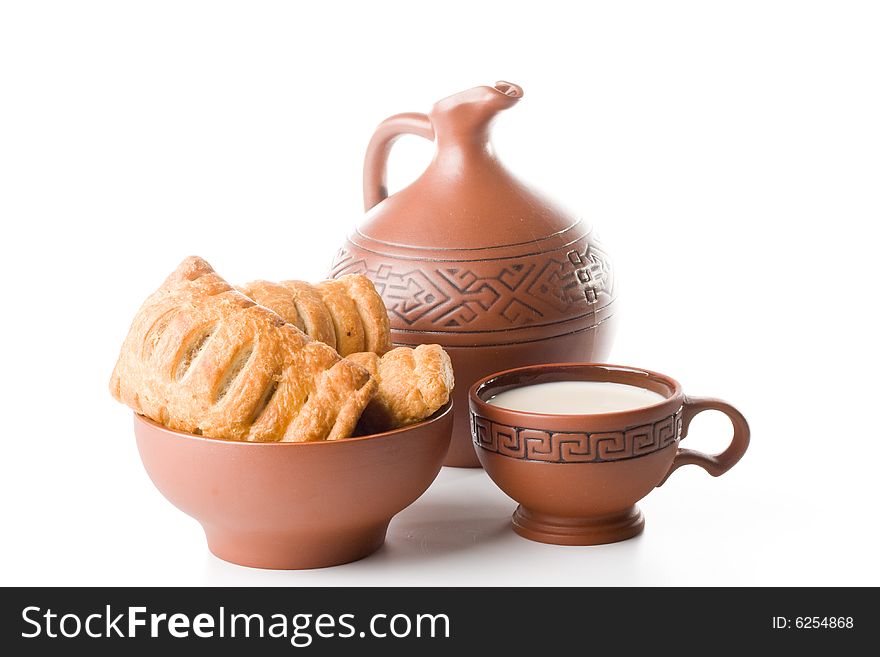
577, 478
295, 505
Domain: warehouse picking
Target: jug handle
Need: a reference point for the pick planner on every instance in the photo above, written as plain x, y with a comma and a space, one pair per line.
376, 159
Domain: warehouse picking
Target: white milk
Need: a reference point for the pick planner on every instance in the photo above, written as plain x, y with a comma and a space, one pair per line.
575, 397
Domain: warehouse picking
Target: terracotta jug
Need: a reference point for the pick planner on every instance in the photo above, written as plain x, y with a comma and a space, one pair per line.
469, 257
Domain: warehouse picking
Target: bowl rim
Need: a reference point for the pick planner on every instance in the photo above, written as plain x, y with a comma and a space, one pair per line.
440, 413
485, 407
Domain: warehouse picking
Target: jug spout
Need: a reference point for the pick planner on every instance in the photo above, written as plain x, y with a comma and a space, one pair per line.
509, 89
467, 116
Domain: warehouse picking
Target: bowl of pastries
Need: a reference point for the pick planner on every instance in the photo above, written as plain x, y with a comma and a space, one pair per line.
279, 416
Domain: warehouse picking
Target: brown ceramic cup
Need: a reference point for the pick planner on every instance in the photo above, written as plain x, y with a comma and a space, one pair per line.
577, 478
295, 505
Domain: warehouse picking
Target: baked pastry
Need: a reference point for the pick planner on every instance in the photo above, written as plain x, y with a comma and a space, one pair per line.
297, 303
346, 313
202, 357
371, 311
413, 384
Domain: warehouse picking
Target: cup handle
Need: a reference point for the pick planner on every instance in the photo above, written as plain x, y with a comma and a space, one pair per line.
715, 464
411, 123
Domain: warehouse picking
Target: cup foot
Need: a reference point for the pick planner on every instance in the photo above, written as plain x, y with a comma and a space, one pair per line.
279, 551
558, 530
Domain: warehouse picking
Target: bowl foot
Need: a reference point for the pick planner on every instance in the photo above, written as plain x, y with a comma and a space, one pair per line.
279, 551
559, 530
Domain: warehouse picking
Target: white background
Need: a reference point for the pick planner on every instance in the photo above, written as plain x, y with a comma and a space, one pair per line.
729, 154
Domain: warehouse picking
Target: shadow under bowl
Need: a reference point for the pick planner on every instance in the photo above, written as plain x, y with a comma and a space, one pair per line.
295, 505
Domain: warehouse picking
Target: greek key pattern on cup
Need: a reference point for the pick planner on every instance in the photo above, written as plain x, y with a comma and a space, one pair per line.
558, 447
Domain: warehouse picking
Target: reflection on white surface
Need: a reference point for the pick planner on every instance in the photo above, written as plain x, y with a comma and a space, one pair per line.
458, 533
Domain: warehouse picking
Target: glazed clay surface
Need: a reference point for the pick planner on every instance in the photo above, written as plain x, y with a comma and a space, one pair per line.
470, 258
294, 505
577, 478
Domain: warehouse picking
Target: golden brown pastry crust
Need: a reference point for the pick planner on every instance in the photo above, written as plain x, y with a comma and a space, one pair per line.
371, 310
413, 384
346, 313
277, 298
318, 323
202, 357
298, 303
346, 320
